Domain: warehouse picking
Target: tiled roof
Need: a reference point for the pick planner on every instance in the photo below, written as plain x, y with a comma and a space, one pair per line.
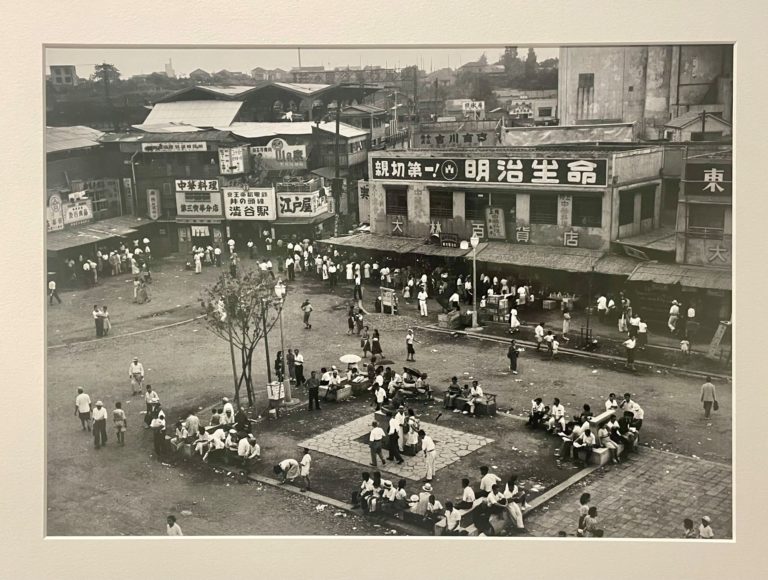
68, 138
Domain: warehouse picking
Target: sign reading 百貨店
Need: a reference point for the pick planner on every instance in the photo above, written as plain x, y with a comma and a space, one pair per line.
506, 170
174, 147
252, 203
78, 212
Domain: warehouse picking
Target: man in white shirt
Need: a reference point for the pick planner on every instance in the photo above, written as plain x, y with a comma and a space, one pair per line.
467, 495
428, 447
380, 393
375, 441
487, 481
422, 297
227, 406
602, 307
218, 443
83, 408
231, 244
152, 400
585, 442
539, 334
394, 438
136, 374
637, 411
192, 424
453, 301
52, 293
452, 520
611, 404
217, 255
172, 528
630, 345
304, 467
99, 425
674, 314
475, 395
247, 450
556, 416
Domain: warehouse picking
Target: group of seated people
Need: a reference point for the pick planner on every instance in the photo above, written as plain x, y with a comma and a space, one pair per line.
227, 437
471, 394
505, 500
577, 433
391, 389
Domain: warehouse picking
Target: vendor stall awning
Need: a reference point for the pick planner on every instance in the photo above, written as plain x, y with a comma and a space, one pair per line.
304, 221
93, 232
686, 275
550, 258
366, 241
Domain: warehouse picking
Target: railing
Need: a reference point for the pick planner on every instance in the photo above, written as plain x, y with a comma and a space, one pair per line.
705, 233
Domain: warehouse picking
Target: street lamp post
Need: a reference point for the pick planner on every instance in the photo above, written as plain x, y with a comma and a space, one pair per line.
474, 241
280, 291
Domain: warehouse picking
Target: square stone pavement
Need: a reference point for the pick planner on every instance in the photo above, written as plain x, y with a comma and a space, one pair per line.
451, 445
646, 497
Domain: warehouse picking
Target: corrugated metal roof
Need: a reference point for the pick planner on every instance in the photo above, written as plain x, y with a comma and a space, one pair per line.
167, 128
366, 241
230, 91
347, 131
195, 113
662, 239
93, 232
68, 138
362, 109
551, 258
688, 118
686, 275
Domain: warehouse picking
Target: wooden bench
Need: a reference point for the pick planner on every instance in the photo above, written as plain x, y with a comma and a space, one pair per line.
485, 406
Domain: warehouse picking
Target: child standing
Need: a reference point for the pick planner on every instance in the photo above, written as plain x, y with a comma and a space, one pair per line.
304, 468
118, 418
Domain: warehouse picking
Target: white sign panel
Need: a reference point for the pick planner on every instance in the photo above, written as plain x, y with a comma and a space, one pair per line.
198, 204
364, 201
252, 203
78, 212
54, 218
278, 154
175, 147
301, 204
473, 106
233, 160
197, 185
153, 203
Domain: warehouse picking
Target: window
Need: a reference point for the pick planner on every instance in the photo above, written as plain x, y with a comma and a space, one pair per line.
647, 204
587, 211
544, 209
706, 221
397, 200
475, 204
440, 204
545, 111
626, 207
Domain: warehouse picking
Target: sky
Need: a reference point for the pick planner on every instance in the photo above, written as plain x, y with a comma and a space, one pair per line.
133, 61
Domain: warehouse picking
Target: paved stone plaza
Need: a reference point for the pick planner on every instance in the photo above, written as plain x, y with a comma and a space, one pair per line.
343, 442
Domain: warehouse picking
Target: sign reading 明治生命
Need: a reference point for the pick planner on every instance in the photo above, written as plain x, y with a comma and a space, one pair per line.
546, 172
252, 203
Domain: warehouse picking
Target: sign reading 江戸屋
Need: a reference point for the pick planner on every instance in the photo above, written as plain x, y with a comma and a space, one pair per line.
174, 147
533, 172
301, 204
252, 203
198, 203
203, 185
78, 212
278, 154
54, 218
709, 178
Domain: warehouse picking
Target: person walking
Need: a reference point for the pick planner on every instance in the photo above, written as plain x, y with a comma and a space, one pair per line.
52, 293
306, 308
198, 263
630, 345
422, 298
428, 447
538, 333
136, 374
313, 388
120, 422
410, 351
674, 315
566, 324
376, 351
298, 367
99, 425
512, 354
98, 320
514, 321
290, 362
83, 409
107, 323
709, 397
365, 342
375, 441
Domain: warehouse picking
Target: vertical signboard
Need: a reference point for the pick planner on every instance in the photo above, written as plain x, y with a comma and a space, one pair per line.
497, 229
153, 203
54, 218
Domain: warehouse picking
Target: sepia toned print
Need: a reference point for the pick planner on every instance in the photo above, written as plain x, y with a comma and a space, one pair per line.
375, 298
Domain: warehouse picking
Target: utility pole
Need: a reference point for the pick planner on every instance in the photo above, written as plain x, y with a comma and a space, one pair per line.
337, 170
299, 49
416, 92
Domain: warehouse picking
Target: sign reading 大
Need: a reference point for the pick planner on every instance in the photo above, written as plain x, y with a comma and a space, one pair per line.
535, 172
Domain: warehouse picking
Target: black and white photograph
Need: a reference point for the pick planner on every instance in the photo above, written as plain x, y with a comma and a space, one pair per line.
450, 291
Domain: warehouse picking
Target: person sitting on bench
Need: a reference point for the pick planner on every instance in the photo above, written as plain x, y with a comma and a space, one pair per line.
467, 495
537, 412
611, 423
181, 436
493, 500
231, 445
628, 433
556, 421
487, 481
475, 396
203, 441
452, 520
434, 509
334, 382
217, 445
360, 497
586, 414
585, 442
573, 430
454, 390
242, 423
604, 438
248, 450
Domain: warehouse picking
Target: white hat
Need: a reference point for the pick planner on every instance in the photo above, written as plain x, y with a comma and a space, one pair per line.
146, 240
705, 518
427, 487
225, 400
414, 498
99, 403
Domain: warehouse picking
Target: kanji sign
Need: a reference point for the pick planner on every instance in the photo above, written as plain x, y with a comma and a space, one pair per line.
78, 212
153, 203
494, 217
54, 218
234, 160
364, 200
204, 185
717, 253
278, 154
175, 147
709, 178
472, 106
571, 239
527, 171
251, 203
564, 210
301, 204
523, 234
198, 204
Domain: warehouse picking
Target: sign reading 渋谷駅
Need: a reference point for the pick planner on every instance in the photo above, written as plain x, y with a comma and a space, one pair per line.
527, 171
251, 203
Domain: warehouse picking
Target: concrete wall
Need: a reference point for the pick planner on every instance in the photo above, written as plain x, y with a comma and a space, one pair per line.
637, 165
638, 225
696, 250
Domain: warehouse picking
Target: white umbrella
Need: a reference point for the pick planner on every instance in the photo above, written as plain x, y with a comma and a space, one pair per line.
350, 359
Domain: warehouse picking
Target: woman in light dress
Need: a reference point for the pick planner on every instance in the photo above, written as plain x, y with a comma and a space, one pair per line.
514, 322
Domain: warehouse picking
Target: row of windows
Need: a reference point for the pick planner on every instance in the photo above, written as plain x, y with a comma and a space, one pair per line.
586, 210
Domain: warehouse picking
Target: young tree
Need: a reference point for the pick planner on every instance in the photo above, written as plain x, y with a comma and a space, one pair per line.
237, 310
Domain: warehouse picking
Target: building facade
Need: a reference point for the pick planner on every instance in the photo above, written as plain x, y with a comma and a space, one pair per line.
64, 75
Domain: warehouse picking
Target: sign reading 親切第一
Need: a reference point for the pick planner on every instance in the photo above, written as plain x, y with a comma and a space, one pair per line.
251, 203
534, 172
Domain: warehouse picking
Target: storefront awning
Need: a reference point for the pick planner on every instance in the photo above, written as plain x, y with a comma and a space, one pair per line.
93, 232
304, 221
615, 265
686, 275
550, 258
366, 241
662, 240
200, 220
438, 250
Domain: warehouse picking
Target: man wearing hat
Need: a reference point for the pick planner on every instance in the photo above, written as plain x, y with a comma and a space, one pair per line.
247, 450
705, 530
227, 406
99, 425
136, 374
394, 437
674, 314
